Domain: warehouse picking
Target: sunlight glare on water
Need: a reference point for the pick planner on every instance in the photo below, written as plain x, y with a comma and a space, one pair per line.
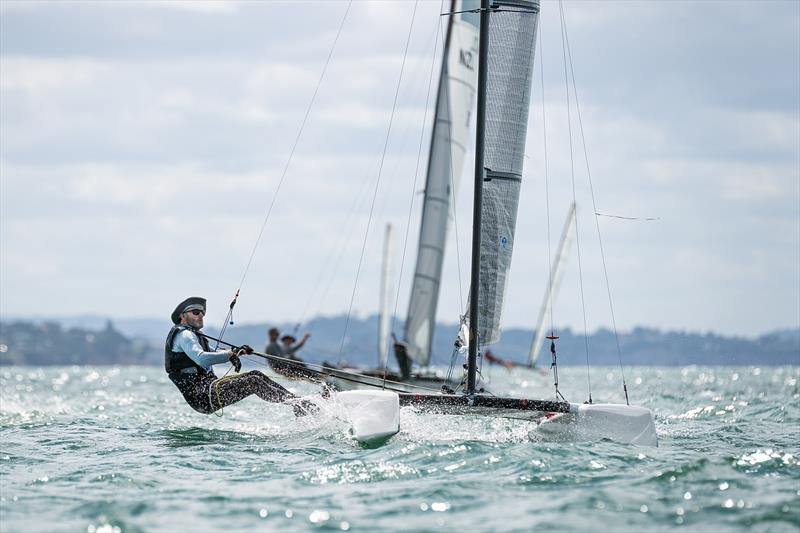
104, 449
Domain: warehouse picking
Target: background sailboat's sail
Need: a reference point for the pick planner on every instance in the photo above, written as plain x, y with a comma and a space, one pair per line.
449, 142
383, 315
512, 38
556, 271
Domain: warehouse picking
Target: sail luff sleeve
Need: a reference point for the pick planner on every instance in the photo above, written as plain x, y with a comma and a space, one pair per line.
512, 38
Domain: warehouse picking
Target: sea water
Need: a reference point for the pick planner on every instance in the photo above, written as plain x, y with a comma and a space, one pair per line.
104, 449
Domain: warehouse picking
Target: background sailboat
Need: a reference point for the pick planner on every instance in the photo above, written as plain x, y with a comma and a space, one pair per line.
550, 294
554, 283
449, 141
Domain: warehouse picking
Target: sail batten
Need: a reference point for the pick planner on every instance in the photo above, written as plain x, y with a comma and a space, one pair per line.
511, 44
449, 139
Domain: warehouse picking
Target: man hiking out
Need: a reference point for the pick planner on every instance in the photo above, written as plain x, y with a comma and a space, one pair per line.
188, 361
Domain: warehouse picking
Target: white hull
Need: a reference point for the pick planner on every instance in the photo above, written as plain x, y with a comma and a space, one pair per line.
374, 415
622, 423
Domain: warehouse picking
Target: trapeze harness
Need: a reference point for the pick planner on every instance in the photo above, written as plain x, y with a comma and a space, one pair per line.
192, 380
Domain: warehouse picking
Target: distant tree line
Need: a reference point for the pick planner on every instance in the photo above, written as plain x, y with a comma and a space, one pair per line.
50, 343
26, 343
651, 347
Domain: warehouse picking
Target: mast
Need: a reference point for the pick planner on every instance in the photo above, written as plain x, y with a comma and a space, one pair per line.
505, 73
483, 56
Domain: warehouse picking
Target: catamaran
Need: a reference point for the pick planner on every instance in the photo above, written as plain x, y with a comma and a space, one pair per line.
505, 70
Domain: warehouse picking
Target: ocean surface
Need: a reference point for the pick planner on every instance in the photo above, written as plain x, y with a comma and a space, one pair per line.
106, 449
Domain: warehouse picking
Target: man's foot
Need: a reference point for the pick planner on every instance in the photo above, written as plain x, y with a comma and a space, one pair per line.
305, 408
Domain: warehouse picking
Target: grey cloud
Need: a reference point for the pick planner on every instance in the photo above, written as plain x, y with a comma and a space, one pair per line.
146, 123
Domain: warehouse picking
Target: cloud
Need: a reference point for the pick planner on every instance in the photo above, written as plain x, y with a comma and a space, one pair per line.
141, 145
201, 6
36, 76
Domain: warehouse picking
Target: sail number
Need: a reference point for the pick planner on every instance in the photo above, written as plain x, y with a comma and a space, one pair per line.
467, 58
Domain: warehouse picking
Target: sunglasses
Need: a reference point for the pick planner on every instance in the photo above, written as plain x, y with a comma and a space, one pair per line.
197, 312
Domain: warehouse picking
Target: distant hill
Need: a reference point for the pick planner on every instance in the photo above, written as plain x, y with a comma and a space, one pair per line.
96, 340
50, 343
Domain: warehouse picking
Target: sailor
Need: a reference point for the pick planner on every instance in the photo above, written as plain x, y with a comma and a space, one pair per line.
188, 360
286, 343
292, 366
492, 359
289, 346
273, 347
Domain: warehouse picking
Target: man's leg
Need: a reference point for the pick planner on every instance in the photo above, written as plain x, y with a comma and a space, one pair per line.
229, 390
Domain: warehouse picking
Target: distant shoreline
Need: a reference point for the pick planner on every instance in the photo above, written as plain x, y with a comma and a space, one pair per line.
96, 341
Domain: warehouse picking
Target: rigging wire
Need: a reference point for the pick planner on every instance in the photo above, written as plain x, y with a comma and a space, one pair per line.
458, 256
574, 197
338, 248
546, 186
378, 180
552, 337
458, 248
590, 181
330, 267
294, 147
452, 198
455, 231
452, 201
228, 318
414, 184
594, 204
338, 251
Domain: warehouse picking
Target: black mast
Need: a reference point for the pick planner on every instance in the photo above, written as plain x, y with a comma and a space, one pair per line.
459, 404
472, 360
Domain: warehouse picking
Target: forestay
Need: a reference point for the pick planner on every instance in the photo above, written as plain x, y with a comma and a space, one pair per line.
512, 38
449, 142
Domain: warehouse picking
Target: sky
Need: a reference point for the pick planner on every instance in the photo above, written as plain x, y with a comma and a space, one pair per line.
142, 143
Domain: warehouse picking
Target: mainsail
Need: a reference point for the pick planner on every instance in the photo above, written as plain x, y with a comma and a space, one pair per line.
512, 38
449, 142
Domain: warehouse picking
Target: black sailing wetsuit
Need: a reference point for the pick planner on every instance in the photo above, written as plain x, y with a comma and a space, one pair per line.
203, 390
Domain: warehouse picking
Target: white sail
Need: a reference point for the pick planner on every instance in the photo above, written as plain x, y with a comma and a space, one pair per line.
383, 314
556, 272
511, 43
449, 140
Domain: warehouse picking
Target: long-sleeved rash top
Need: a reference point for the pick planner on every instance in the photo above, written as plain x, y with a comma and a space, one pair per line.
188, 343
